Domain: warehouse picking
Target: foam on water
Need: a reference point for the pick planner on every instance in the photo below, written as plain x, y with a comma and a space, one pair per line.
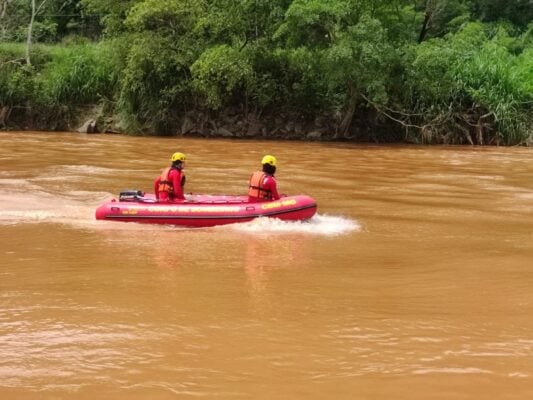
69, 169
327, 225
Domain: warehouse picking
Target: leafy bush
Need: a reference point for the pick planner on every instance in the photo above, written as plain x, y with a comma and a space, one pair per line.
16, 86
154, 84
42, 32
220, 72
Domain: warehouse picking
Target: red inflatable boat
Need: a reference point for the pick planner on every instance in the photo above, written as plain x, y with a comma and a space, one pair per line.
203, 210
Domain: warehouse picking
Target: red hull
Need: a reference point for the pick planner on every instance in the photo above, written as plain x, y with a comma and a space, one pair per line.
205, 211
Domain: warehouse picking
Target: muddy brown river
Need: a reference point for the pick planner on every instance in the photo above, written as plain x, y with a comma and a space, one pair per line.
413, 281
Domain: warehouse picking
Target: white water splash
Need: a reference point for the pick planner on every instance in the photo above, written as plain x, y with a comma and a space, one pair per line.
326, 225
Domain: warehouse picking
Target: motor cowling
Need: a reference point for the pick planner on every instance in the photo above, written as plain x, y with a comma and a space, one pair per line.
131, 195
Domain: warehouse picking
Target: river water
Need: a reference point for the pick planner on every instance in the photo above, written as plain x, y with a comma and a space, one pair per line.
414, 281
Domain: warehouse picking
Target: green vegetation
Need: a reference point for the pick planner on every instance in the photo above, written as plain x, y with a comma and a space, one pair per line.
422, 71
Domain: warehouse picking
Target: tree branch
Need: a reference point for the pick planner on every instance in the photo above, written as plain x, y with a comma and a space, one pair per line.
379, 109
40, 6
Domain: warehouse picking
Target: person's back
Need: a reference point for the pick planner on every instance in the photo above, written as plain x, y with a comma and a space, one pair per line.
169, 185
263, 185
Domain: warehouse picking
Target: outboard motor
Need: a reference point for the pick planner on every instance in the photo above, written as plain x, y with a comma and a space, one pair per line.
131, 195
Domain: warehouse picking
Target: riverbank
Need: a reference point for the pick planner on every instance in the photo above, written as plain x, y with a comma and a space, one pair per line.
481, 93
252, 127
223, 125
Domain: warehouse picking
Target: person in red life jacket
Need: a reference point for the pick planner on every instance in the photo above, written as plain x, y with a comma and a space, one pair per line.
169, 185
263, 185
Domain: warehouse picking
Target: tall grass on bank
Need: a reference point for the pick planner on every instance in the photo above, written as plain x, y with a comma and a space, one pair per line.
61, 79
472, 88
77, 75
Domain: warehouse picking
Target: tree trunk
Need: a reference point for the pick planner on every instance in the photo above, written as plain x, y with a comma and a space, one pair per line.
344, 127
426, 25
34, 11
3, 6
4, 115
3, 10
30, 31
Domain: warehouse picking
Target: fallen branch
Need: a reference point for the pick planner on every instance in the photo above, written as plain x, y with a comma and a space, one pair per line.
379, 109
12, 62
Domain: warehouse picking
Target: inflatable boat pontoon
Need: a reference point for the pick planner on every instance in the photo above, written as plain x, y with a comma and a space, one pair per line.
203, 210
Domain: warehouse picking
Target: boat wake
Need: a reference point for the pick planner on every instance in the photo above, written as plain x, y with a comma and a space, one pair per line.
327, 225
40, 207
77, 209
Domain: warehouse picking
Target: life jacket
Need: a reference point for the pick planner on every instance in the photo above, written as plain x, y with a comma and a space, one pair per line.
256, 188
165, 184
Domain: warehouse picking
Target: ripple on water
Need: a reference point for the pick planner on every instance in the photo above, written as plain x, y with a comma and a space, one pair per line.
449, 370
41, 353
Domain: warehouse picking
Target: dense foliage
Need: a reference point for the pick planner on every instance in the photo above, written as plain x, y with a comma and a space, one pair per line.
424, 71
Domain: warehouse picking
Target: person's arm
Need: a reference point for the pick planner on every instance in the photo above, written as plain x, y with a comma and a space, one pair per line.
272, 185
176, 182
156, 187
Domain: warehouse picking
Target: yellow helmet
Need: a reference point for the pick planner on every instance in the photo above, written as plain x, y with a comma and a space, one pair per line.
178, 157
269, 160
